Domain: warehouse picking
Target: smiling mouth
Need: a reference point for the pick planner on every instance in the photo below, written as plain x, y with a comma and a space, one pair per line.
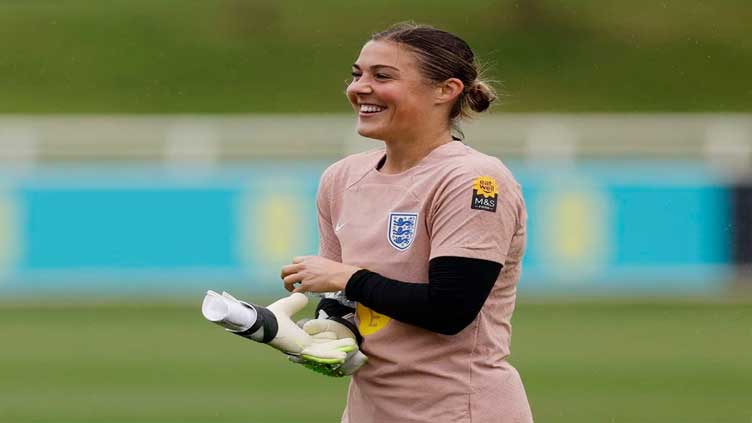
370, 109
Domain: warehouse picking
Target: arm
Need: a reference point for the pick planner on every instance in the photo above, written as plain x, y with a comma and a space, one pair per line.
329, 246
457, 289
332, 319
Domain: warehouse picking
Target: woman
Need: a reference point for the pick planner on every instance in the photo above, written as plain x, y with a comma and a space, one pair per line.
426, 235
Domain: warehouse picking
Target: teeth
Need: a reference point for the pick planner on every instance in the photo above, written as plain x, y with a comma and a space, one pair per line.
370, 108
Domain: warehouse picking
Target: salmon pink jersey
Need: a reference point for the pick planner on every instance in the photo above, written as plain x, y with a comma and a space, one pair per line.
455, 202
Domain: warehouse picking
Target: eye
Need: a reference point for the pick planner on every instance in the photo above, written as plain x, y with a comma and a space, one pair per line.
356, 75
383, 76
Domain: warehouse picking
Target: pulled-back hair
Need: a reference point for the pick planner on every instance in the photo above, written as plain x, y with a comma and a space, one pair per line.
442, 55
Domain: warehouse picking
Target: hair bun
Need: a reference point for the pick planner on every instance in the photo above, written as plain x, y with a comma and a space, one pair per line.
480, 96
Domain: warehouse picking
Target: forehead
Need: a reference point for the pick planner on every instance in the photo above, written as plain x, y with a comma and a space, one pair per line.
387, 53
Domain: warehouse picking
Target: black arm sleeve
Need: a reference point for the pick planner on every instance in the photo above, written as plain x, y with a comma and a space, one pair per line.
456, 290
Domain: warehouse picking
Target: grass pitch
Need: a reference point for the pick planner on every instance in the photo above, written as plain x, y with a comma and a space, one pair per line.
581, 362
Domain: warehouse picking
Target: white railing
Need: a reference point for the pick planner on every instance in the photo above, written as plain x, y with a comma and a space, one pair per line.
722, 139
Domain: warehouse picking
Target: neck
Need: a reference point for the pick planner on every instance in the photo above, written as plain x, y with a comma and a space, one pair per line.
403, 154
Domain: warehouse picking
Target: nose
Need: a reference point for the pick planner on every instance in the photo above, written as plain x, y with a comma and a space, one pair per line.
359, 86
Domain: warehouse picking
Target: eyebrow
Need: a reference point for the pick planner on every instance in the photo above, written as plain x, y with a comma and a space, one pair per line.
376, 67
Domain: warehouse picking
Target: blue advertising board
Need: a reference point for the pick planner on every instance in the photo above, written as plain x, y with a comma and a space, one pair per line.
594, 228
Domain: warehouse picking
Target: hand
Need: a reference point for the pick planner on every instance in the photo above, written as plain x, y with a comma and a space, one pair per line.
269, 325
316, 274
288, 338
334, 352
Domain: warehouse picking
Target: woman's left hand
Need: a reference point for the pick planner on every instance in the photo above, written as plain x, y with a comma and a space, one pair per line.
316, 274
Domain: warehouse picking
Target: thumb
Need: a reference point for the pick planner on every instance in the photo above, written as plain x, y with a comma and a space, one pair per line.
315, 326
289, 305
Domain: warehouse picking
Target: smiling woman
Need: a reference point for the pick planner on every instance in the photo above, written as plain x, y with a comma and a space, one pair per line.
400, 76
431, 302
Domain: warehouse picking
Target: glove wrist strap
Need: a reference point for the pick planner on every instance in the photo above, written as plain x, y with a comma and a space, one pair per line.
266, 324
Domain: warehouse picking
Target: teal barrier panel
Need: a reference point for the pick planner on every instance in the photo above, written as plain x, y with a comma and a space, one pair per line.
594, 228
95, 230
627, 227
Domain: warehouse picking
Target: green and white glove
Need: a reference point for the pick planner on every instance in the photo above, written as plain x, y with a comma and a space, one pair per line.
334, 351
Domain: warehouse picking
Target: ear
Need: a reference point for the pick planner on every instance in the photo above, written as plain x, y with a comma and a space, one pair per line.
449, 90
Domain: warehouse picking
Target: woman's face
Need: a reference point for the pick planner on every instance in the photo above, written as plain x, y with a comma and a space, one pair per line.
392, 99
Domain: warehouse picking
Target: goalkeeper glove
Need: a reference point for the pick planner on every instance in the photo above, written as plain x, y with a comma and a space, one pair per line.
334, 351
269, 325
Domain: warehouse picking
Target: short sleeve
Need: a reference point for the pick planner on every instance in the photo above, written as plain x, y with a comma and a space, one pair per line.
475, 215
329, 246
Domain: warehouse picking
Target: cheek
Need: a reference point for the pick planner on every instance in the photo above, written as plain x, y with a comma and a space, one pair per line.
395, 99
351, 96
408, 107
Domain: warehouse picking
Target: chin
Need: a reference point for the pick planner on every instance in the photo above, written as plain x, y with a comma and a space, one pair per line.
375, 133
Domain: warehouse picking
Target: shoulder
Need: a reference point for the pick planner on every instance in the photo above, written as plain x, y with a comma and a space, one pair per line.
470, 180
468, 165
347, 171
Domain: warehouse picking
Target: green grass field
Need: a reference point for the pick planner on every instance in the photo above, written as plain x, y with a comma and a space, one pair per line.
238, 56
581, 362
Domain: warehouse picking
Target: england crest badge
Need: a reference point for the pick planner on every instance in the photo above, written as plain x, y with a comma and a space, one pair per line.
402, 228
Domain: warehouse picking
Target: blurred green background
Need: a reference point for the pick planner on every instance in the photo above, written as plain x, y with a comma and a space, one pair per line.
117, 360
610, 361
237, 56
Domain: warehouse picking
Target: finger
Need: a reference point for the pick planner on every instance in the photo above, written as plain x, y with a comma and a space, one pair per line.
290, 269
321, 325
300, 259
342, 343
322, 353
290, 284
303, 287
315, 326
336, 350
289, 305
293, 278
324, 336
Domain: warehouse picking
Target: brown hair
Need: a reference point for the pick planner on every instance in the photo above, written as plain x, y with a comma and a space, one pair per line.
442, 55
